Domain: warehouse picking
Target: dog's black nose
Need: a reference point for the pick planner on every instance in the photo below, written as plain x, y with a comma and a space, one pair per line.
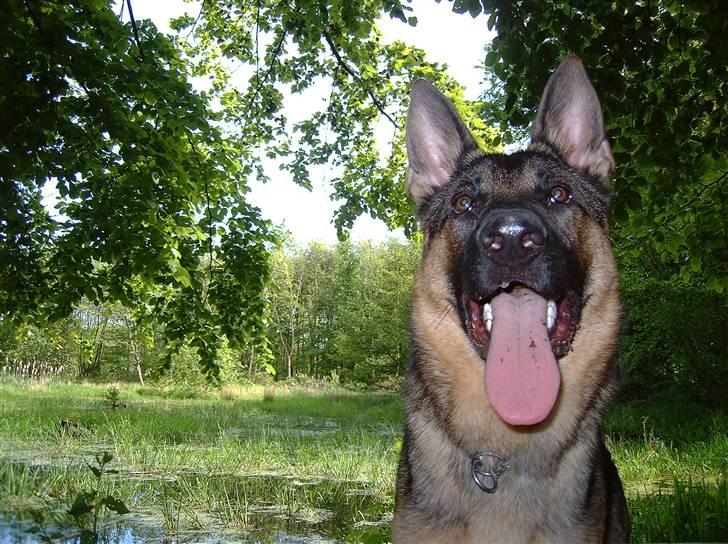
512, 236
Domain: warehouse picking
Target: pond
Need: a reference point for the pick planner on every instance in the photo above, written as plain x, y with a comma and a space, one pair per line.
248, 508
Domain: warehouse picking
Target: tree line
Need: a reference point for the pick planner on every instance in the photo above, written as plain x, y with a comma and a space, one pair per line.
332, 312
341, 313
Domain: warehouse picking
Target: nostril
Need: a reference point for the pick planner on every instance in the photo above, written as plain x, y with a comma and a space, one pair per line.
492, 242
497, 243
532, 239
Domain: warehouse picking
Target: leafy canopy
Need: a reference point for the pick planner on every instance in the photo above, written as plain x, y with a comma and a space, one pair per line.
152, 209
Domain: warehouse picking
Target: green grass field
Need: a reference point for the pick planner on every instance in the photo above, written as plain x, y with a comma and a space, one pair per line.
317, 464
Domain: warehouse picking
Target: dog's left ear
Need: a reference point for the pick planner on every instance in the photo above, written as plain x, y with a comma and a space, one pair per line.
570, 121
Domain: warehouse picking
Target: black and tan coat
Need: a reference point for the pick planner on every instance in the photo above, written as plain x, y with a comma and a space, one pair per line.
533, 224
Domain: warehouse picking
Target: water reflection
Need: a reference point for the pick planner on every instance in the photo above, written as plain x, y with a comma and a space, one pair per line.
252, 508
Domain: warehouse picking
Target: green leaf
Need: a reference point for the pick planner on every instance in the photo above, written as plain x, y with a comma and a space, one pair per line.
460, 6
83, 504
474, 8
115, 505
491, 58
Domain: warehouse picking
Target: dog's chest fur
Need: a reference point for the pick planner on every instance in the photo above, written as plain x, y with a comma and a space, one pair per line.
539, 498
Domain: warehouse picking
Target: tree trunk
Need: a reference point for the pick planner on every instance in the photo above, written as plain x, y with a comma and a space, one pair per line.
136, 350
140, 375
251, 359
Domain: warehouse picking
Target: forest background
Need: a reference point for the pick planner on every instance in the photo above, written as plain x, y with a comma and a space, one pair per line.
155, 266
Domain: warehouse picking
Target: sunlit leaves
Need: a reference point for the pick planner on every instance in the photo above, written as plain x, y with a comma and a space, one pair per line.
332, 52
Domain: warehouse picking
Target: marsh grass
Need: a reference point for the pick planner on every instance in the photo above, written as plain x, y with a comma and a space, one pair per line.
307, 460
682, 511
229, 459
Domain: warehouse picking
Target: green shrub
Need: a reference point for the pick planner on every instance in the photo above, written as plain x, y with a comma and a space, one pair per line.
675, 343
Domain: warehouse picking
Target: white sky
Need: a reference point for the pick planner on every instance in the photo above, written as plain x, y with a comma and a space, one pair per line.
446, 37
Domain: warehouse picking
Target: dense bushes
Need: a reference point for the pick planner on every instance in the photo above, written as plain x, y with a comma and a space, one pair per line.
675, 343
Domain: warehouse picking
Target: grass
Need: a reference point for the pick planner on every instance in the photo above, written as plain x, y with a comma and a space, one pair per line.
303, 460
322, 458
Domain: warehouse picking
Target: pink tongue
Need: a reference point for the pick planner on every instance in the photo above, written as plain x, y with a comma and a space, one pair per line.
521, 374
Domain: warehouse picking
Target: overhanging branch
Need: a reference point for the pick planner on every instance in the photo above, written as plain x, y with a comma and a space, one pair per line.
349, 70
136, 30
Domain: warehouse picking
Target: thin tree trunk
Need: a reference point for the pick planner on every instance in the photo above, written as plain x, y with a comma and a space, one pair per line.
140, 375
251, 359
136, 350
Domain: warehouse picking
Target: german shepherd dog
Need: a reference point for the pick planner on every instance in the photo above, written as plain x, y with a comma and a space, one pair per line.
515, 322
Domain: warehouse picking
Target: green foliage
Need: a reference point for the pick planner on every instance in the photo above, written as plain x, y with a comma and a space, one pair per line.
682, 511
660, 69
90, 504
334, 45
38, 352
112, 398
152, 209
342, 309
674, 343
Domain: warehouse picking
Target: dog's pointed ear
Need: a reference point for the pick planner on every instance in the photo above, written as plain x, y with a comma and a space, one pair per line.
436, 138
569, 121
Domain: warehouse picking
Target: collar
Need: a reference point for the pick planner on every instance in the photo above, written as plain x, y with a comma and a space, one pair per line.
486, 468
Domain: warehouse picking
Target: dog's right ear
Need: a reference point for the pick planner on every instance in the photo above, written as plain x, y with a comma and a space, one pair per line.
436, 139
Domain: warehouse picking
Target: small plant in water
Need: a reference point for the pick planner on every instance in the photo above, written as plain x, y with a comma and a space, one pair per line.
91, 503
113, 399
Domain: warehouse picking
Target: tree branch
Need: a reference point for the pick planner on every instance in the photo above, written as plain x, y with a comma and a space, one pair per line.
136, 30
260, 82
704, 188
194, 25
686, 205
349, 70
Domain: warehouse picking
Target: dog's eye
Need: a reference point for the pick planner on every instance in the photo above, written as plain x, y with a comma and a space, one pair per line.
463, 203
559, 194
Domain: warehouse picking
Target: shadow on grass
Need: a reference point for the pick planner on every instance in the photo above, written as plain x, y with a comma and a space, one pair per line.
680, 424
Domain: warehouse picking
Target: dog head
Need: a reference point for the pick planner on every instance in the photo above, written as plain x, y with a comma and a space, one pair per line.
516, 244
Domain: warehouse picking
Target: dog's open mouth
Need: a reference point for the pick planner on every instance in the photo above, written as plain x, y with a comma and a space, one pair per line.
560, 319
521, 334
